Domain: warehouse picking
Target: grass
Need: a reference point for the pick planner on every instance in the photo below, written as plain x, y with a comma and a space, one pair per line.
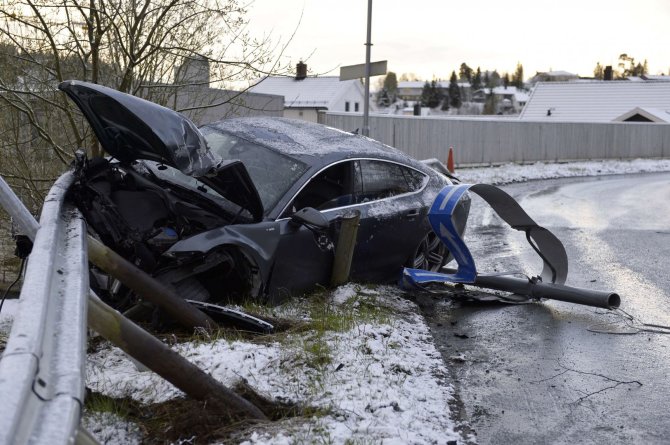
306, 334
100, 403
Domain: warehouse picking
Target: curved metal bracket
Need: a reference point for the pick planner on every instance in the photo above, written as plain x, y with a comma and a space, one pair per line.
546, 244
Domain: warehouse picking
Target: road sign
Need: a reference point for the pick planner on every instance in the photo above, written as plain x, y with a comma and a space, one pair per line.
358, 71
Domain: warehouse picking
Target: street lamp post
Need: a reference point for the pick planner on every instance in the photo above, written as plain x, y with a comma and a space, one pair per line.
366, 99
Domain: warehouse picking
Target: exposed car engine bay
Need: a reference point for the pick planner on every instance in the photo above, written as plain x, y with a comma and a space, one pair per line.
141, 218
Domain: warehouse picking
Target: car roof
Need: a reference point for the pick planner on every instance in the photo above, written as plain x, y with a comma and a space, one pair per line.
310, 142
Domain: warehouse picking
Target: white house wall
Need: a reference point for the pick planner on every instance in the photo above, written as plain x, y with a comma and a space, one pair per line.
352, 94
306, 114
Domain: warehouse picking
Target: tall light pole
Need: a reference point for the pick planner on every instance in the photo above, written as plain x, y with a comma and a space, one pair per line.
366, 99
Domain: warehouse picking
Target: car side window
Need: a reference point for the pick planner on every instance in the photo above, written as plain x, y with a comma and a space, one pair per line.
333, 187
382, 179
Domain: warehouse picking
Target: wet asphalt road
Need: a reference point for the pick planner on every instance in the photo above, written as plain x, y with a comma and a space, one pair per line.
536, 373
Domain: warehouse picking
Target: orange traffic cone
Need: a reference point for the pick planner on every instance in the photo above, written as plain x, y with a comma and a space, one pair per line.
450, 160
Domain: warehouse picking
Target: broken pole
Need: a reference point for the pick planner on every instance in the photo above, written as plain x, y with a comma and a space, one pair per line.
165, 362
346, 244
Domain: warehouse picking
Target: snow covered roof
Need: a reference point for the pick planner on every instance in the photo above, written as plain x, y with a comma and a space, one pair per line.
660, 78
597, 101
411, 84
653, 114
310, 92
520, 95
418, 84
558, 73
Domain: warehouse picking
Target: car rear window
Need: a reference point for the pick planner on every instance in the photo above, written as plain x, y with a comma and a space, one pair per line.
382, 179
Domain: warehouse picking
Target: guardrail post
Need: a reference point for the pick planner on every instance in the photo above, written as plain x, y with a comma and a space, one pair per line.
165, 362
346, 244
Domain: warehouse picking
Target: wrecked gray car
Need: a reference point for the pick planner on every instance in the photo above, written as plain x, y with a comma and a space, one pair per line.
246, 207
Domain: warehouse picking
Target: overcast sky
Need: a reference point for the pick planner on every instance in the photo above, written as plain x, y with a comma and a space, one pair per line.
432, 37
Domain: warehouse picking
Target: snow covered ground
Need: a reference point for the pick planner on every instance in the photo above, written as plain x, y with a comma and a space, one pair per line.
378, 379
508, 173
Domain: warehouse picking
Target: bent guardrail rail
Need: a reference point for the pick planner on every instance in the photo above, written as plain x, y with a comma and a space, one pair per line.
42, 367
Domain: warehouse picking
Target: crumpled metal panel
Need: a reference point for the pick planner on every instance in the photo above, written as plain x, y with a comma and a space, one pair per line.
441, 217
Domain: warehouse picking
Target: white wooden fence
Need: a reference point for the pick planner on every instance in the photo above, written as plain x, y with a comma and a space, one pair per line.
501, 140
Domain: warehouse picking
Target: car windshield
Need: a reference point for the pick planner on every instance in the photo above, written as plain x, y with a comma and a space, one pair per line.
272, 173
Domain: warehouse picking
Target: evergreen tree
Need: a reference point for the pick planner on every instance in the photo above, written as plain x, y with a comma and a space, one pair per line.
465, 73
391, 85
445, 103
425, 94
477, 80
494, 79
505, 80
628, 67
599, 71
430, 95
490, 104
517, 77
383, 98
454, 91
435, 95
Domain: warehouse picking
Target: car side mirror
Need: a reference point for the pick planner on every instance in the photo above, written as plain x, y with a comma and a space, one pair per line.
309, 216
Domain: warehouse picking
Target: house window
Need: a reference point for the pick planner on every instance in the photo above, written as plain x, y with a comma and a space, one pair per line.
356, 106
346, 106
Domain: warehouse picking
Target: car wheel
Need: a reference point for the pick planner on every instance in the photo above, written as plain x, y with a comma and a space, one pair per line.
431, 254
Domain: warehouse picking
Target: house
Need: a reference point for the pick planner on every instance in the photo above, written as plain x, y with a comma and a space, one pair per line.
410, 91
191, 94
305, 96
645, 114
656, 77
597, 101
509, 100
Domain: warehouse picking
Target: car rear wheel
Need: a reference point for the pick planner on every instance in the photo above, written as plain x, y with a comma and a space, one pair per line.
431, 254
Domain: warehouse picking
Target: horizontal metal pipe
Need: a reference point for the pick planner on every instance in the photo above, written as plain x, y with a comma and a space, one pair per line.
587, 297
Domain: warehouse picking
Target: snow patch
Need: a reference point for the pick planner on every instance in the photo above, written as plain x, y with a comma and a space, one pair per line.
110, 429
9, 310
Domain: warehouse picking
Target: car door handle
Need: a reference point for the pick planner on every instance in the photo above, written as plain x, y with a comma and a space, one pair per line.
413, 213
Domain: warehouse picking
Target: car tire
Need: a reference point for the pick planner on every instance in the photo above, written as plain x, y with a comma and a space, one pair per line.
431, 254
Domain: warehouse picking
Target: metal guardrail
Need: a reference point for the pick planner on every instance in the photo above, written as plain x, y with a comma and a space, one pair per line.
42, 367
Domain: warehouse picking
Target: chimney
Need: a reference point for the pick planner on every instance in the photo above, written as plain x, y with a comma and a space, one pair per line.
608, 74
300, 71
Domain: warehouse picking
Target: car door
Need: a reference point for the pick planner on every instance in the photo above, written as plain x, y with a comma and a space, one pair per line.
393, 219
305, 256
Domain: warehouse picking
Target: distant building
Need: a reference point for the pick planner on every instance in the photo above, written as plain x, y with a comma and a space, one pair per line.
509, 100
645, 114
599, 101
552, 76
305, 96
191, 94
410, 91
656, 77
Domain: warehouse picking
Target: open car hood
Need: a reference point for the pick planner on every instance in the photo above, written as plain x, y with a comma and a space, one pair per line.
130, 128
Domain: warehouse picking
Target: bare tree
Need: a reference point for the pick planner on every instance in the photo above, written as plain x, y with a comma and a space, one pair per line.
150, 48
179, 53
